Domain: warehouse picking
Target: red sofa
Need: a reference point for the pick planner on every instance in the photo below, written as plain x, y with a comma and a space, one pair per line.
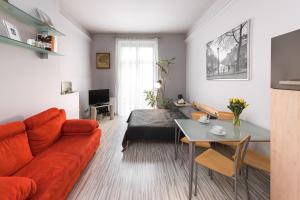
42, 157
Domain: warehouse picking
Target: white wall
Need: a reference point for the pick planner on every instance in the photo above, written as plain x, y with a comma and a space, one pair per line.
29, 84
269, 18
169, 46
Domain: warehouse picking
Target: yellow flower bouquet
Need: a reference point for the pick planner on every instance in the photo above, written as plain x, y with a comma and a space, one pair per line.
237, 105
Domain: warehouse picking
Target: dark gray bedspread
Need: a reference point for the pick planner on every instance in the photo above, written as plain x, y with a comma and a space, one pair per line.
151, 124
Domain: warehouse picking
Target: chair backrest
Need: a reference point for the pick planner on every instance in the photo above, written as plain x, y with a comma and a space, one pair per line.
206, 109
213, 112
225, 115
240, 153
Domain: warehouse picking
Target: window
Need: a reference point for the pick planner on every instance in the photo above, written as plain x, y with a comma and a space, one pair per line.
136, 72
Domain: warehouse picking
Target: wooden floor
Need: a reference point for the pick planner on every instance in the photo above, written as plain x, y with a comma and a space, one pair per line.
147, 171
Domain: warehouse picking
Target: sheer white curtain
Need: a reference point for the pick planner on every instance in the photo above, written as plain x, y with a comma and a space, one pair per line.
136, 72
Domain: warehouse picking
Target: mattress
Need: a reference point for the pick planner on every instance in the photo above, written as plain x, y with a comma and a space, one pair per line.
151, 124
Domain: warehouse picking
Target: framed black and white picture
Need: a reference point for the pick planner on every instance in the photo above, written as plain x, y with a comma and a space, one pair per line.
66, 87
12, 31
227, 57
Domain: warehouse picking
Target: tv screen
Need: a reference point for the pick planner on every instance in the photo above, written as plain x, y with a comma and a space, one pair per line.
98, 96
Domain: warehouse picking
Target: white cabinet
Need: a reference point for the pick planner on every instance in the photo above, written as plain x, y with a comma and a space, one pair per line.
70, 103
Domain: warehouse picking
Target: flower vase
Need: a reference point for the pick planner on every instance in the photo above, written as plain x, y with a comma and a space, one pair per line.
236, 121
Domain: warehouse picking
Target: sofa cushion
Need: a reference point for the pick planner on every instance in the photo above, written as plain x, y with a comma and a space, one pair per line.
83, 146
14, 148
52, 172
16, 188
41, 118
11, 129
74, 126
44, 129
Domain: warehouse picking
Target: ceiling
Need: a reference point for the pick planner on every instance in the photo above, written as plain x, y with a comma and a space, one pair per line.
135, 16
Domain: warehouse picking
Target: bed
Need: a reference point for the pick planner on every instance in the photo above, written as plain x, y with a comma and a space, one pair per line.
153, 124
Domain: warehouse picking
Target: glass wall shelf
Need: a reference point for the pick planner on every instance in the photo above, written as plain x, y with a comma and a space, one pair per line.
24, 45
26, 18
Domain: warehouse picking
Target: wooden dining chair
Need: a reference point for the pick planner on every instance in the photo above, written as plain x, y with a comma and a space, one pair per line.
204, 111
257, 161
185, 140
206, 145
253, 159
215, 161
227, 116
196, 115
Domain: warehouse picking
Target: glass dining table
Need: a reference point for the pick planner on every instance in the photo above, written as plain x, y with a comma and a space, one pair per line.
196, 131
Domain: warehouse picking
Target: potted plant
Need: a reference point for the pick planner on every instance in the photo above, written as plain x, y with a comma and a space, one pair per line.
159, 99
151, 98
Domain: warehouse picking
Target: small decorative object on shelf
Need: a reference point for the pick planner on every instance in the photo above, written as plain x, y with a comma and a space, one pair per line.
237, 105
66, 87
31, 42
44, 41
180, 99
41, 41
44, 17
12, 31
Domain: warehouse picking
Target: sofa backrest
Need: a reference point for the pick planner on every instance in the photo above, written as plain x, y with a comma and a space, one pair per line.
14, 148
44, 129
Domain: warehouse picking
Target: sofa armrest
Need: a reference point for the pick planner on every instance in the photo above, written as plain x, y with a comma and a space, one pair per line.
13, 187
79, 126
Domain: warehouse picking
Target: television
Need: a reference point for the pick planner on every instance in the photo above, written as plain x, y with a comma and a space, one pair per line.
98, 96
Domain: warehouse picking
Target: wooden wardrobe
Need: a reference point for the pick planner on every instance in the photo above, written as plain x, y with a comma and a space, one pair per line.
285, 145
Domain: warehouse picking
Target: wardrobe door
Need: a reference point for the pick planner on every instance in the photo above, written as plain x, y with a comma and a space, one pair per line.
285, 145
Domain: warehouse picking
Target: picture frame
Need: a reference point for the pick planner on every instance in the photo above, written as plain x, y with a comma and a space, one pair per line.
103, 60
228, 56
44, 17
12, 31
66, 87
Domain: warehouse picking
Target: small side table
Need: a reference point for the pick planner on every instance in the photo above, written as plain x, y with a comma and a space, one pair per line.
93, 109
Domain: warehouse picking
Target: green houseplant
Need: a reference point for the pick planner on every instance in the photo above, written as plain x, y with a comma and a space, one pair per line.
159, 99
151, 98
